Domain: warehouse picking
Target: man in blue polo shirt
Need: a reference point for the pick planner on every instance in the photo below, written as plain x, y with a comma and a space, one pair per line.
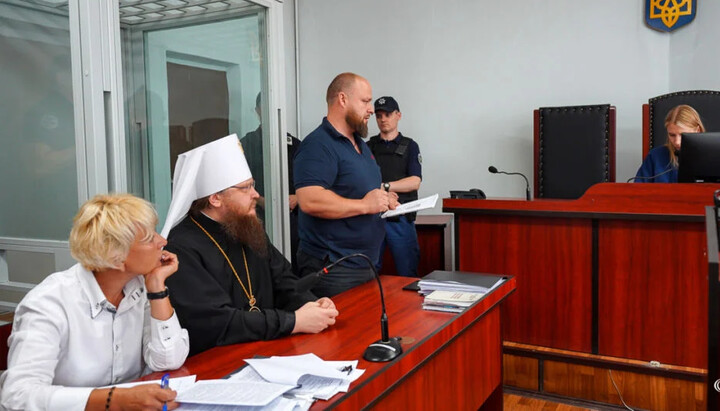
338, 187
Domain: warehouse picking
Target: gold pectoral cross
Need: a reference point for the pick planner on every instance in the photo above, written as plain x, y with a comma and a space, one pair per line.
253, 307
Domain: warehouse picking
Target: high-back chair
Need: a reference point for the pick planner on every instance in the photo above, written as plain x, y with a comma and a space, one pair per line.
705, 102
574, 149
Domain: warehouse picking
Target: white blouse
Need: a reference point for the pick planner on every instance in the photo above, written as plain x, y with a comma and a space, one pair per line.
68, 339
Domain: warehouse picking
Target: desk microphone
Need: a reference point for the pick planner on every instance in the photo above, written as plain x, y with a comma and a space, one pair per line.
494, 170
651, 177
386, 348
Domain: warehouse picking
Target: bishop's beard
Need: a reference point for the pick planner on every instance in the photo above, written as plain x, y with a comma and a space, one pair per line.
247, 230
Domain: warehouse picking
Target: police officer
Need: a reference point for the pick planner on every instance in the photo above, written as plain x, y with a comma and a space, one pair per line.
400, 164
252, 144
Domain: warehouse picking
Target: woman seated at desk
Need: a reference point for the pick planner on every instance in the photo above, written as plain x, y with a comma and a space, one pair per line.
661, 164
103, 321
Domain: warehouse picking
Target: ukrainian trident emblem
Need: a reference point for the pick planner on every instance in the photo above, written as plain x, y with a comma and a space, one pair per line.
668, 15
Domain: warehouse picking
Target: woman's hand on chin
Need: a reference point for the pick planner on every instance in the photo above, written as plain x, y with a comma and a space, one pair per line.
155, 279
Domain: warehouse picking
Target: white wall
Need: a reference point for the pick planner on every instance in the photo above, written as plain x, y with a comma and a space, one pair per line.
468, 74
694, 59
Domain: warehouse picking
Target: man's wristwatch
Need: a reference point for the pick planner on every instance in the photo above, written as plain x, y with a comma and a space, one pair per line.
158, 296
386, 186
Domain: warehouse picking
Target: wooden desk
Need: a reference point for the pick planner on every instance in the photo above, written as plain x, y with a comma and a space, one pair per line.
450, 361
619, 272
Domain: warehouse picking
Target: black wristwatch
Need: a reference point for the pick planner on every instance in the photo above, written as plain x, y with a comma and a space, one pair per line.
386, 186
158, 296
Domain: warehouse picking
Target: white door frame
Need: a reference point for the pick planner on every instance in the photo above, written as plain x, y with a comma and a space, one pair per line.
100, 120
277, 123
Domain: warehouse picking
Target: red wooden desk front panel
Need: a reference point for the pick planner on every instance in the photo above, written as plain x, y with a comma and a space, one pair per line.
652, 294
552, 304
449, 359
619, 272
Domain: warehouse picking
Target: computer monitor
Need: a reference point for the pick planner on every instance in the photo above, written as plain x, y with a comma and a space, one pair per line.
699, 158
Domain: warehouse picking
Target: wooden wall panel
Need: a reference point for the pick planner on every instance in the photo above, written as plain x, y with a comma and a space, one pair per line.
638, 390
551, 259
432, 249
653, 308
388, 264
5, 331
520, 372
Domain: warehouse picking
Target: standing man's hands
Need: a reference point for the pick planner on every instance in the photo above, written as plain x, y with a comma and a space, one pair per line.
393, 200
377, 201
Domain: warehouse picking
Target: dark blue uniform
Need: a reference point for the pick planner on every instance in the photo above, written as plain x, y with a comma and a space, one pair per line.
399, 158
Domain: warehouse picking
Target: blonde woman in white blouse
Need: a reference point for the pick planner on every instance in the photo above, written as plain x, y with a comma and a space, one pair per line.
104, 321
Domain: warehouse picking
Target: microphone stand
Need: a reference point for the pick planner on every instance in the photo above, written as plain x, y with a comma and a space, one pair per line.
386, 348
494, 170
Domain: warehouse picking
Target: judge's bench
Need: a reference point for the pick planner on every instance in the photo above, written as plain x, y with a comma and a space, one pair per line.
612, 286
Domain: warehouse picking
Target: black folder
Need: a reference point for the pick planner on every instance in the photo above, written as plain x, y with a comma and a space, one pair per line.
464, 277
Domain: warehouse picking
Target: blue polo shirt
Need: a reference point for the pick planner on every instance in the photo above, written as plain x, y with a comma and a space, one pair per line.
327, 159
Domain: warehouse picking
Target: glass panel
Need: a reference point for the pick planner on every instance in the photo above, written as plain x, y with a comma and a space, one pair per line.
37, 160
191, 80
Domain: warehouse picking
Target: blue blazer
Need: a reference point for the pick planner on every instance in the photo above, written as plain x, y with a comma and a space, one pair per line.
657, 161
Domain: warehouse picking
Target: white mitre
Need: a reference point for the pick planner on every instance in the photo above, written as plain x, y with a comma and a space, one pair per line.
202, 171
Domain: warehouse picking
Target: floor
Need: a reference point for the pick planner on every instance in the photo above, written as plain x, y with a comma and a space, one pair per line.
517, 402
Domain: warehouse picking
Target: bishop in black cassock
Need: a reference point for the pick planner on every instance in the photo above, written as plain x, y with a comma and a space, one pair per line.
232, 284
209, 300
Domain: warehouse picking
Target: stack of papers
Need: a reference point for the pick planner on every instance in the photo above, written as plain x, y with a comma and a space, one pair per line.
178, 384
458, 281
450, 301
219, 395
209, 395
308, 374
277, 383
412, 206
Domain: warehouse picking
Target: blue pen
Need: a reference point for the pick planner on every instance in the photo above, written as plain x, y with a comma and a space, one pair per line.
164, 382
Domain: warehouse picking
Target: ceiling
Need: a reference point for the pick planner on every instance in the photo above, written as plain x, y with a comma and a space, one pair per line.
146, 11
134, 12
